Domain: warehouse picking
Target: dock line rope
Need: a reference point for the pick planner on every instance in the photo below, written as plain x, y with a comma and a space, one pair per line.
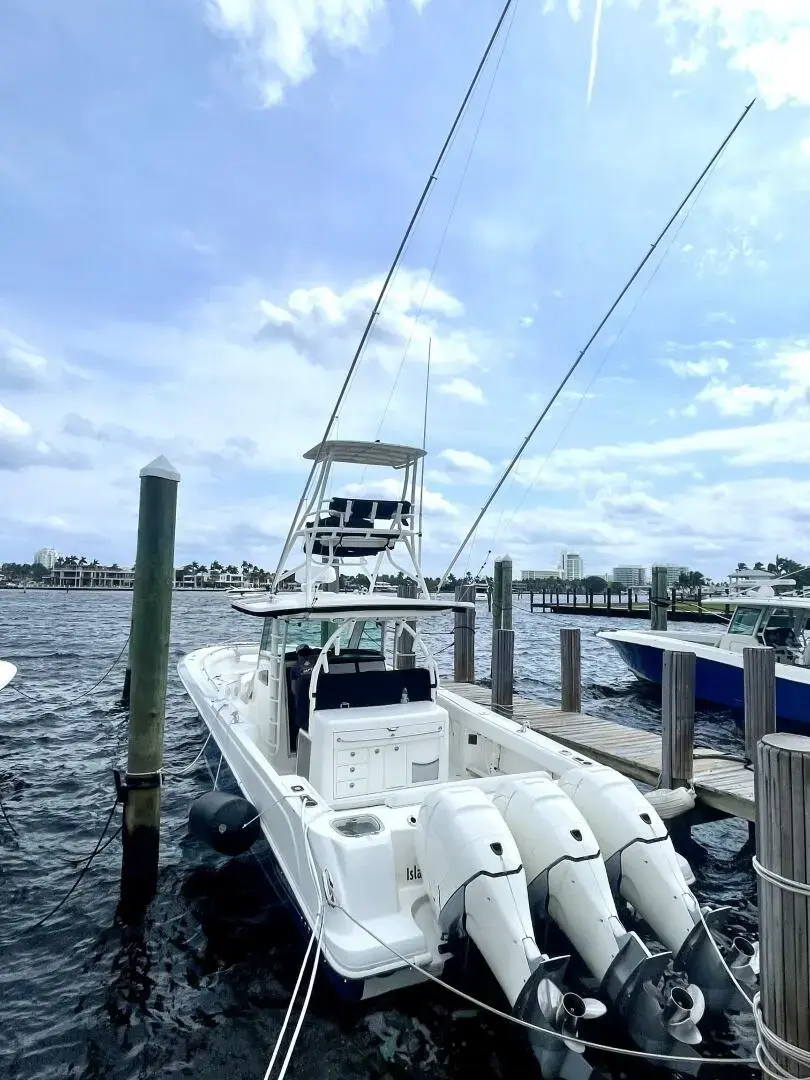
672, 1058
96, 851
769, 1039
79, 697
188, 768
316, 937
800, 888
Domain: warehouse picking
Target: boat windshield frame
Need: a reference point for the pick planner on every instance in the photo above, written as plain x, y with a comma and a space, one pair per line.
747, 619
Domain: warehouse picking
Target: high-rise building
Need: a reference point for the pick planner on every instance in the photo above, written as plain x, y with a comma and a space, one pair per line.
571, 566
46, 557
630, 575
674, 573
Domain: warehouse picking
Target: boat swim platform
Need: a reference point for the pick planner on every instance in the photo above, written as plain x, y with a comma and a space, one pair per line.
723, 785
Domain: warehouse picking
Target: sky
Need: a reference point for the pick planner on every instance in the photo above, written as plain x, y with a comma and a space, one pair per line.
199, 200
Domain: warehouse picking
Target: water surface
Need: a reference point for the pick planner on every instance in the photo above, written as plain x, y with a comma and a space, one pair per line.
202, 992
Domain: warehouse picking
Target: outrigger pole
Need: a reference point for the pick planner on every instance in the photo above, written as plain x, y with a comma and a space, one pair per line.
592, 339
433, 177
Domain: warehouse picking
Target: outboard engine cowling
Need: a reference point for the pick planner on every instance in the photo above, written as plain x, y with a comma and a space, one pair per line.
227, 823
476, 885
568, 882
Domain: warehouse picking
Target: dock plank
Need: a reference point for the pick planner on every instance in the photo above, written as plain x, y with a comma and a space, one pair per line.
724, 785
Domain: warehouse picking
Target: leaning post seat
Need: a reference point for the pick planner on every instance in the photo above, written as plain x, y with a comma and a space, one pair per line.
367, 740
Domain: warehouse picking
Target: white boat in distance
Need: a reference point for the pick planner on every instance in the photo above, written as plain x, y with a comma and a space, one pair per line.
407, 821
761, 617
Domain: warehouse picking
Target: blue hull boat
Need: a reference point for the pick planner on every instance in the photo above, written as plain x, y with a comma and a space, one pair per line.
718, 671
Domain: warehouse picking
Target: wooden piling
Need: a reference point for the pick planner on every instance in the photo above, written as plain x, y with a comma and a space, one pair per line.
571, 671
658, 598
149, 653
503, 636
404, 649
759, 676
464, 637
783, 848
677, 718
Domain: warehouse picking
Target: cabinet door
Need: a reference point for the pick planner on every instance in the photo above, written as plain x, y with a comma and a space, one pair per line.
395, 765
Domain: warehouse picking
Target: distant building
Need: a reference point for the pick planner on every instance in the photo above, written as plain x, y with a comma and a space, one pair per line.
46, 557
630, 575
572, 567
674, 573
538, 575
92, 577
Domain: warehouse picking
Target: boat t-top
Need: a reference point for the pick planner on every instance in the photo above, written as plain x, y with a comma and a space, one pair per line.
760, 617
409, 823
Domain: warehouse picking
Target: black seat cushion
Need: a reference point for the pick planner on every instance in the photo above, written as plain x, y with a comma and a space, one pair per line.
386, 508
348, 547
370, 688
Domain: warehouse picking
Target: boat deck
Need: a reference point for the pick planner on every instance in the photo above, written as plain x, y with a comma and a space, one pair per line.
727, 786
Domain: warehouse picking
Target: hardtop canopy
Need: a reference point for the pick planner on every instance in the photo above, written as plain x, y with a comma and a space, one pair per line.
365, 453
327, 605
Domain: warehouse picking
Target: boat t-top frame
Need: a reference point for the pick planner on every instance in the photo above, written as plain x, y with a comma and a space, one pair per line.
341, 530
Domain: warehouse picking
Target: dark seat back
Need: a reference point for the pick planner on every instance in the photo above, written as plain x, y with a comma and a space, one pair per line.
379, 509
369, 688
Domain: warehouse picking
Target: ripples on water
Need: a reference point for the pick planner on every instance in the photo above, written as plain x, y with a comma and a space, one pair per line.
203, 991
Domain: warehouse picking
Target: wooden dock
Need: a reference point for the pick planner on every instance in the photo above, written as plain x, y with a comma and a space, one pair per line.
725, 786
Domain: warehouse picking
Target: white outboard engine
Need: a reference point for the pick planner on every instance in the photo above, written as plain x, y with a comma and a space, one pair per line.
475, 881
567, 882
642, 867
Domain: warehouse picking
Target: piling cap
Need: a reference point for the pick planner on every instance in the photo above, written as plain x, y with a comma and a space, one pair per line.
161, 467
503, 558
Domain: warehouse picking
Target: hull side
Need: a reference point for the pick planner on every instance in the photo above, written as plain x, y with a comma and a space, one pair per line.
720, 684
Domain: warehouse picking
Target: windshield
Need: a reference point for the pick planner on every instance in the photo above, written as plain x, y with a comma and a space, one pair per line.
359, 634
745, 620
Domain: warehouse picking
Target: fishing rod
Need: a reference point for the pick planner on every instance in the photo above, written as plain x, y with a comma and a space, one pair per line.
594, 336
432, 178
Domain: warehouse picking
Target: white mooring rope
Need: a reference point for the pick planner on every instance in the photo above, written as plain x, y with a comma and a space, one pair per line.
767, 1038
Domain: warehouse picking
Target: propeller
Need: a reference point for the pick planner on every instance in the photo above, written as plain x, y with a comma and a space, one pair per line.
563, 1012
738, 953
542, 1003
743, 959
681, 1013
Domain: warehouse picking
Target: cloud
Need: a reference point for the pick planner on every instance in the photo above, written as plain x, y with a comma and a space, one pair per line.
767, 39
709, 365
278, 38
22, 366
737, 400
433, 502
464, 463
414, 317
21, 447
463, 389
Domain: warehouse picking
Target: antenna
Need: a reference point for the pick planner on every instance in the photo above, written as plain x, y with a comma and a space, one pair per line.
434, 173
424, 447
